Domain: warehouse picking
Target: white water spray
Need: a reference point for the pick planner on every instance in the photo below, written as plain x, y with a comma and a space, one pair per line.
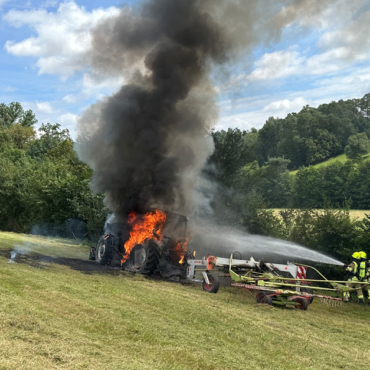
223, 241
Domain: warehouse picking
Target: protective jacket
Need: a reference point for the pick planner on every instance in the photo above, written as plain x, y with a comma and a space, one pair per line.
353, 269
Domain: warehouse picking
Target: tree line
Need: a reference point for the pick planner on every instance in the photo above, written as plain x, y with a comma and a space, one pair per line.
43, 186
253, 173
313, 134
258, 161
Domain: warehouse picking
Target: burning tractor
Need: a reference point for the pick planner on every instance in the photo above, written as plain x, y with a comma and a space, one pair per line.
145, 243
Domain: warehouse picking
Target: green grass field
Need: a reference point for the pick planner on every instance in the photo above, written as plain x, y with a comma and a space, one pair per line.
60, 311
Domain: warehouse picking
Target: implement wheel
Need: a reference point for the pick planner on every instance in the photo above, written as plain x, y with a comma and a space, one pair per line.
309, 291
260, 296
264, 298
214, 284
302, 303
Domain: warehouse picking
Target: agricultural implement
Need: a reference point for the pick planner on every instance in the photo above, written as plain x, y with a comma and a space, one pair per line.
275, 284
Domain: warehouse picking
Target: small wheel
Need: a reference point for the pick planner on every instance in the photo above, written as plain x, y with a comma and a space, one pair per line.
309, 291
214, 284
266, 299
302, 303
260, 296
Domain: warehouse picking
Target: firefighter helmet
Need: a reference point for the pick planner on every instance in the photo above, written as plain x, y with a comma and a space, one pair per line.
356, 255
362, 255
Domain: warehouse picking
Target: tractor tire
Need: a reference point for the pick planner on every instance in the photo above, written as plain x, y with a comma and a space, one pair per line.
266, 299
302, 303
214, 284
309, 291
144, 259
104, 251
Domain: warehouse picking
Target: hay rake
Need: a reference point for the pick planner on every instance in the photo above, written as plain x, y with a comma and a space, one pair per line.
280, 290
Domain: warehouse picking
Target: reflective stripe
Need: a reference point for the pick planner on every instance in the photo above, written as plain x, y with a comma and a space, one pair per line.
362, 270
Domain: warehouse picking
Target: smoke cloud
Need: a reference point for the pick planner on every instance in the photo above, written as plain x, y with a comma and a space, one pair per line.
148, 143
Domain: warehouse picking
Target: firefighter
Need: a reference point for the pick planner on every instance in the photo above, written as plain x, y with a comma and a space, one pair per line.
362, 271
365, 272
353, 270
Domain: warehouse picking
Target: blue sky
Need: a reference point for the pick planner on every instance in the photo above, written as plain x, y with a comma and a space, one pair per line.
319, 57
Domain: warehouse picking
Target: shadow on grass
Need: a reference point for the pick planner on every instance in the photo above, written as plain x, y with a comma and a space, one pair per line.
42, 261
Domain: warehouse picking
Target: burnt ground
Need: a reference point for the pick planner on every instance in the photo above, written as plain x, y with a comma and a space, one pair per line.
42, 261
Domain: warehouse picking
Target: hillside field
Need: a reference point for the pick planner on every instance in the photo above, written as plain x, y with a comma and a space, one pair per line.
358, 214
342, 158
60, 311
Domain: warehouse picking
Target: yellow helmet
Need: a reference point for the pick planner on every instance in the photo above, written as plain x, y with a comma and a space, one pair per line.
362, 255
356, 255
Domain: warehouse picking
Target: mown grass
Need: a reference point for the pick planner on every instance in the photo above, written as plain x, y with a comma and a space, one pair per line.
56, 316
355, 214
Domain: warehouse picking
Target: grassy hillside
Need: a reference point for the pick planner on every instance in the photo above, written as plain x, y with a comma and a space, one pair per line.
59, 312
340, 158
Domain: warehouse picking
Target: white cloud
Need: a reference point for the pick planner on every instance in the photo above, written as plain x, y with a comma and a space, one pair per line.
253, 111
63, 38
46, 113
257, 117
69, 120
286, 105
44, 107
344, 42
94, 85
276, 65
351, 42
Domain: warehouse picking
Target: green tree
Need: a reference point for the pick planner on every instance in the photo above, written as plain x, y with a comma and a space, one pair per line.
14, 113
268, 140
50, 137
364, 105
358, 145
21, 136
308, 188
230, 155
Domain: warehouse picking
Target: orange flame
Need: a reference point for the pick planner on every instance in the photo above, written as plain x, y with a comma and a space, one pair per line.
144, 227
181, 248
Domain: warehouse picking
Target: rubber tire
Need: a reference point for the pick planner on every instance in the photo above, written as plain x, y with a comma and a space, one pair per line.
266, 299
302, 303
259, 296
214, 284
309, 291
150, 264
104, 257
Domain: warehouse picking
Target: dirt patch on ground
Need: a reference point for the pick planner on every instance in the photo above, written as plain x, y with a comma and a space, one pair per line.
42, 261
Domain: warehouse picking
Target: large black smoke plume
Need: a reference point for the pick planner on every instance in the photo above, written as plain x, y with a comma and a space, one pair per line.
148, 143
